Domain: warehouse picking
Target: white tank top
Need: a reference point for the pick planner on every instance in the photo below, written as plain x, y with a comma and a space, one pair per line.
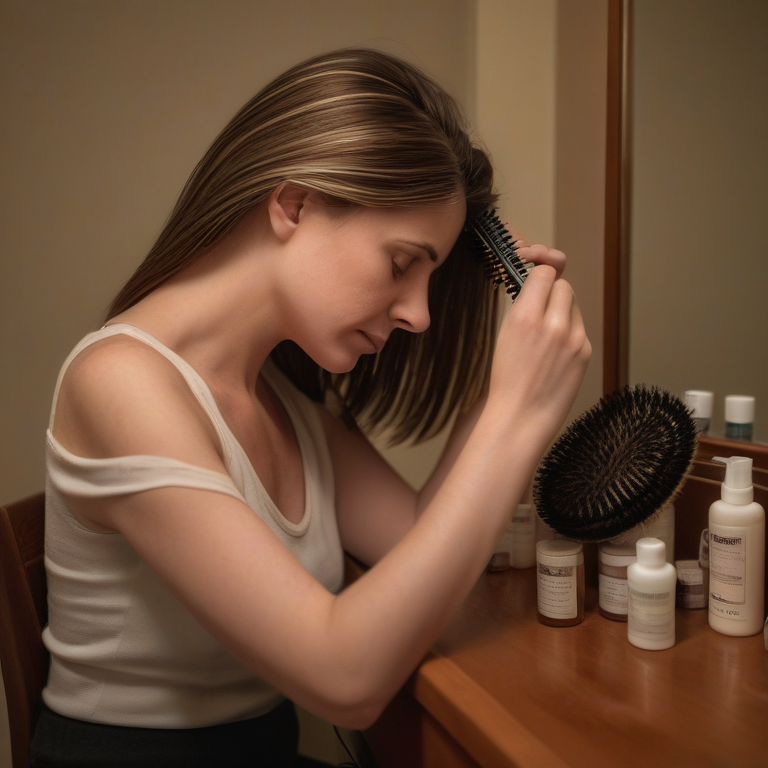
123, 650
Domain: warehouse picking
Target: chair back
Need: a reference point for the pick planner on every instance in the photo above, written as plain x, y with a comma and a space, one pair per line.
23, 608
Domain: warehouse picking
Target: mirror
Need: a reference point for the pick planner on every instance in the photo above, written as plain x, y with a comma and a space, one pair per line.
687, 192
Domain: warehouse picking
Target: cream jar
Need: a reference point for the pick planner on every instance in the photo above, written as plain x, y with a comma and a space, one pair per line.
612, 579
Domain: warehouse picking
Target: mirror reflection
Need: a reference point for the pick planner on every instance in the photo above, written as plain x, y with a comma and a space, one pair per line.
699, 198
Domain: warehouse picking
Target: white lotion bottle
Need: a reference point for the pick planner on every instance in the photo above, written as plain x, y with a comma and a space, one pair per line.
651, 583
736, 553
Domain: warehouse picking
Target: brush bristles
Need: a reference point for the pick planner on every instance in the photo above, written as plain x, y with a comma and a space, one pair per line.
616, 465
494, 247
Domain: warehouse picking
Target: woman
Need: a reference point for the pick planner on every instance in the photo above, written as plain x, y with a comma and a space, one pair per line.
313, 273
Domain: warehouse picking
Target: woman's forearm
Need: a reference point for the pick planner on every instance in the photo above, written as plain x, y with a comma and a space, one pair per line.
462, 428
395, 612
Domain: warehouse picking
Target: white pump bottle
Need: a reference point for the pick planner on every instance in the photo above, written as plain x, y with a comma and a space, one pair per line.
736, 553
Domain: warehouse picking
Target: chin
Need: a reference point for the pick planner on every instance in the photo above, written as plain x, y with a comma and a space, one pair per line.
339, 363
339, 366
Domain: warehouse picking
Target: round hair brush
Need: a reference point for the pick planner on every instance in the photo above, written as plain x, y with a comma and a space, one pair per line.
493, 247
616, 465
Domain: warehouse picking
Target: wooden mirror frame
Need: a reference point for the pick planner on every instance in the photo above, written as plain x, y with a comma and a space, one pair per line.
618, 170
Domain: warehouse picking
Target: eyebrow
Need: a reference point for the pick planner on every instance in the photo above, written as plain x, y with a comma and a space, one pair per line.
425, 247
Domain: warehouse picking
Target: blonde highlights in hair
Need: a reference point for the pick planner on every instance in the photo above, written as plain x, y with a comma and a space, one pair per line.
363, 129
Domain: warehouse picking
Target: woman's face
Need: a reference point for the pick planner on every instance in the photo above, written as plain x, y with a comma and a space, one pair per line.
362, 272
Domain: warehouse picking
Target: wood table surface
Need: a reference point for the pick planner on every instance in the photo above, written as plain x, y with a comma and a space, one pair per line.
502, 690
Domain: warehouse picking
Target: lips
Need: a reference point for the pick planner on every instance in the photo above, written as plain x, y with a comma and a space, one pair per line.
377, 342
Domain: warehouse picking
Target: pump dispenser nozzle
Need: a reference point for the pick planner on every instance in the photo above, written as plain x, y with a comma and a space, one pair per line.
737, 487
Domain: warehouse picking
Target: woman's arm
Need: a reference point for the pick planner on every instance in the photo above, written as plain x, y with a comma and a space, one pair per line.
541, 356
540, 360
342, 656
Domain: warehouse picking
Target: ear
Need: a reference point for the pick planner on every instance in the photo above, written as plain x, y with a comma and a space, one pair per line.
285, 207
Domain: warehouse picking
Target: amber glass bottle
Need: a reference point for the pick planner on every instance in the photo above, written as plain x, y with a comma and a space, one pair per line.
560, 582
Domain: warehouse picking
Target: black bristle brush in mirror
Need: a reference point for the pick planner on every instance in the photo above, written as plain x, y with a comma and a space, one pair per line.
616, 465
620, 462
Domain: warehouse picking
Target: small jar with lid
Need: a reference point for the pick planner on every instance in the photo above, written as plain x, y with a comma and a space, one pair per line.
690, 585
560, 582
699, 403
612, 578
739, 417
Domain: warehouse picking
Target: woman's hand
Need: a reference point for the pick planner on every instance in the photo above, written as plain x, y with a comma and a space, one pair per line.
542, 350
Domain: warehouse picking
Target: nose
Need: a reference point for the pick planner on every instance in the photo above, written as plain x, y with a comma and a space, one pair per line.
410, 309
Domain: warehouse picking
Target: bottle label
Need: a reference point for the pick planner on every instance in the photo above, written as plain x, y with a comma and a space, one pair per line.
734, 431
557, 593
728, 570
651, 614
613, 594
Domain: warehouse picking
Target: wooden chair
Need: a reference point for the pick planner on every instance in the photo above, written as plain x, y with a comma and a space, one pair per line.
23, 614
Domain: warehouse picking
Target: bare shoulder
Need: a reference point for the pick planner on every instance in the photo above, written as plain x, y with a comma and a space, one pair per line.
121, 397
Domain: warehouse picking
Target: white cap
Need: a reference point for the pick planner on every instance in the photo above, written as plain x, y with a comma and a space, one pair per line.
557, 552
739, 409
652, 553
700, 403
737, 488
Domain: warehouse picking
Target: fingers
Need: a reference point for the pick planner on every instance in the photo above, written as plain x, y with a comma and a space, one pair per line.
536, 291
547, 306
537, 253
541, 254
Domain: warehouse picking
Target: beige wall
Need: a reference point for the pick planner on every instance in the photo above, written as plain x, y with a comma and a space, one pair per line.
108, 105
106, 109
699, 273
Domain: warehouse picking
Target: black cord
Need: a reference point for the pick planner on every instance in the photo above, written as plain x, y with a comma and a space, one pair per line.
353, 764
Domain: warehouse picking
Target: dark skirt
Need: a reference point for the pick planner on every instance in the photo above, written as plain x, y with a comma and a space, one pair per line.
270, 741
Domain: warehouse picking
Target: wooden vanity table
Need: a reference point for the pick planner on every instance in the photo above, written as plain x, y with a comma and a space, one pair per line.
501, 690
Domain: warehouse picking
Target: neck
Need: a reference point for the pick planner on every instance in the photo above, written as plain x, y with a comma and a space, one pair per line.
222, 313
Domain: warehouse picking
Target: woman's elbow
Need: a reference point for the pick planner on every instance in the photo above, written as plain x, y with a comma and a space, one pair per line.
352, 707
358, 718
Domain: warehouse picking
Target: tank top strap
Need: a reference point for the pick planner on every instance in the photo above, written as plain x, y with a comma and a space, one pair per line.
194, 380
97, 478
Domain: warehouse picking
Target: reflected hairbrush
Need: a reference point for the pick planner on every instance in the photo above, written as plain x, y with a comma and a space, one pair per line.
494, 247
617, 465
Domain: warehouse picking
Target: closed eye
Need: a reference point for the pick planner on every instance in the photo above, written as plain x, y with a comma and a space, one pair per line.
401, 263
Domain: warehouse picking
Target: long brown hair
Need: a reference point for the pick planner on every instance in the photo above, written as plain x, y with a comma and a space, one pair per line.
362, 128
